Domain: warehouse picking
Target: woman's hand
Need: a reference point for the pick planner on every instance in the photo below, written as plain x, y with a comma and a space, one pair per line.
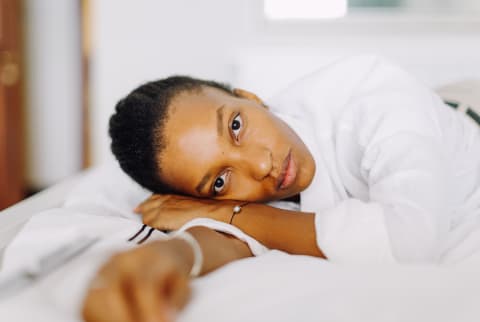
170, 212
149, 283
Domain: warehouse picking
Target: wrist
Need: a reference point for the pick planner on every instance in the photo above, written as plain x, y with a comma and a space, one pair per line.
179, 250
261, 222
249, 218
223, 210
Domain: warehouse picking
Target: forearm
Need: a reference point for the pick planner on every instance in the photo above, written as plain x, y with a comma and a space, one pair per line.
289, 231
150, 282
217, 249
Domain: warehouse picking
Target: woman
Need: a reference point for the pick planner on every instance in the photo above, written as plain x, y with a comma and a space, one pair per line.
382, 169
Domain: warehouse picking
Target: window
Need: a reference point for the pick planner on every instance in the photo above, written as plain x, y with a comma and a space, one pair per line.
328, 9
304, 9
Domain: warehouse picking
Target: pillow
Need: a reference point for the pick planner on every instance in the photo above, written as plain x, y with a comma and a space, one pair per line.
108, 191
463, 96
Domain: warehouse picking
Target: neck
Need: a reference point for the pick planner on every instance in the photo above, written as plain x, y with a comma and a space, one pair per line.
295, 198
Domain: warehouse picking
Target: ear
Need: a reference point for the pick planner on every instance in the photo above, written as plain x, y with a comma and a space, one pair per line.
248, 95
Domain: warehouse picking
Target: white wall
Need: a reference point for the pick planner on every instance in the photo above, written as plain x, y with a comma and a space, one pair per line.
53, 91
137, 41
140, 40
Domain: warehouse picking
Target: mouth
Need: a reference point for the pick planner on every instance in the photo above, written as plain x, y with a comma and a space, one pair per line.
288, 174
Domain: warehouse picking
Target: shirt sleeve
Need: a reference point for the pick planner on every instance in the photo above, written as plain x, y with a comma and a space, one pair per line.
255, 247
407, 214
393, 130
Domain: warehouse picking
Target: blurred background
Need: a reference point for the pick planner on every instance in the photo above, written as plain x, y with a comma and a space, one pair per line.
65, 63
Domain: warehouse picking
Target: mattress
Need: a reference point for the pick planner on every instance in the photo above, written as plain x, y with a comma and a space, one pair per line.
272, 287
12, 219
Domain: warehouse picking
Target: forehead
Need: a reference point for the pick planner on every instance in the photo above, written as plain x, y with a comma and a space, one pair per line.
192, 101
191, 137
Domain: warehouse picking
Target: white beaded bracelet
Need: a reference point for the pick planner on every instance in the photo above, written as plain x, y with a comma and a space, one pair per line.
197, 252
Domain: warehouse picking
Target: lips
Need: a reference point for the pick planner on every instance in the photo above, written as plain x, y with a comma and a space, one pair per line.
289, 172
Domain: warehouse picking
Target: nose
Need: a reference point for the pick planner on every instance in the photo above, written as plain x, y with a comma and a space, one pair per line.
258, 162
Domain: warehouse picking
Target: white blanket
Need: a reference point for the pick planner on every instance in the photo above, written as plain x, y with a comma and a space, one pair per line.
271, 287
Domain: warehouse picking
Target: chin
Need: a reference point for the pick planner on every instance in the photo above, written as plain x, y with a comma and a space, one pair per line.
287, 194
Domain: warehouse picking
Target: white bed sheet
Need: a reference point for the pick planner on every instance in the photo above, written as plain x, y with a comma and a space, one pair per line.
13, 218
272, 287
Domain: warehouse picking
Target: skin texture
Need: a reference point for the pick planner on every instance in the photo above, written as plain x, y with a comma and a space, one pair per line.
250, 158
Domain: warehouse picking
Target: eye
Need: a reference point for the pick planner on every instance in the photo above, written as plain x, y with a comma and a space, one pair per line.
236, 126
219, 183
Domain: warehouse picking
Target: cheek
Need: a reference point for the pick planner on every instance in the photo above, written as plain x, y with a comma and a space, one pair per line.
267, 134
278, 131
245, 188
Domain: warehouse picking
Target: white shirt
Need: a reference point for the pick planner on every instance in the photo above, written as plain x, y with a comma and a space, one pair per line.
397, 171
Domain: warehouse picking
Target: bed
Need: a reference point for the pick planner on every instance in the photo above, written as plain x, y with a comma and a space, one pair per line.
272, 287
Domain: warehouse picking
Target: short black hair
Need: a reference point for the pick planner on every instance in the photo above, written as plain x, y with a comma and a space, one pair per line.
136, 127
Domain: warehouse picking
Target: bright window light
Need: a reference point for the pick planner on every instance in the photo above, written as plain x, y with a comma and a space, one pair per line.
304, 9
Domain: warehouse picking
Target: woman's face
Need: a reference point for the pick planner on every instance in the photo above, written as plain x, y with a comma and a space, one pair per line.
222, 146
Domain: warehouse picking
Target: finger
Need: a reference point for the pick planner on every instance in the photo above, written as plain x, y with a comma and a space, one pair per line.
156, 220
146, 201
164, 219
177, 290
106, 305
145, 301
146, 205
149, 218
150, 204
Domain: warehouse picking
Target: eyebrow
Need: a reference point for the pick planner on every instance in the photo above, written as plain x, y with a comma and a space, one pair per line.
206, 178
203, 182
220, 111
